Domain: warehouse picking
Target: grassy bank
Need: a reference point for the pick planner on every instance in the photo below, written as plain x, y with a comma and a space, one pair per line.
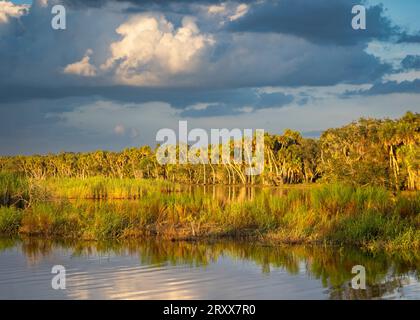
370, 217
103, 188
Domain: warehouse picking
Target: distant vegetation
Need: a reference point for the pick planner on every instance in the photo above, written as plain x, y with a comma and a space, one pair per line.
368, 152
366, 194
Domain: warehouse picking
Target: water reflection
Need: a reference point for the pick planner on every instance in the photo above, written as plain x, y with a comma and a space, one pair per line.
222, 269
234, 193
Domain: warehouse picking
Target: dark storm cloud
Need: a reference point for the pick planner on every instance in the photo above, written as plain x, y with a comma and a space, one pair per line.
320, 21
177, 97
100, 3
276, 99
142, 5
409, 38
33, 55
38, 55
395, 87
214, 110
25, 128
234, 101
180, 98
411, 62
387, 87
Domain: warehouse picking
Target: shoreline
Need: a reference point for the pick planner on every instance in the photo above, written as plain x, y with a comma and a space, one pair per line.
369, 217
270, 240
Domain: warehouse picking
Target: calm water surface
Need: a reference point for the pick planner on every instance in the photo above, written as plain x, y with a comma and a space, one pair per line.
184, 270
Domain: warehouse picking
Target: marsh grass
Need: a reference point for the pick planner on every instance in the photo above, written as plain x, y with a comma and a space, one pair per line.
10, 220
371, 217
104, 188
14, 189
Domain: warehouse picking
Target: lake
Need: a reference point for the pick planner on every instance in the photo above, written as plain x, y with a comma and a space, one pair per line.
153, 269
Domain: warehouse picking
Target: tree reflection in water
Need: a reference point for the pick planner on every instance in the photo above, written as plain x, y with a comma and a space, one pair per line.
385, 274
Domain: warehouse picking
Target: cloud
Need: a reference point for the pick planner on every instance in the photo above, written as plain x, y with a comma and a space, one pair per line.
8, 9
217, 9
278, 59
403, 76
240, 101
81, 124
319, 21
411, 62
82, 67
33, 53
174, 60
230, 100
409, 38
240, 11
119, 129
226, 12
390, 87
137, 123
151, 50
392, 53
97, 120
139, 3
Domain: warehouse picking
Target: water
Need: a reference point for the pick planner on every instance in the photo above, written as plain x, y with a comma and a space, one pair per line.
151, 269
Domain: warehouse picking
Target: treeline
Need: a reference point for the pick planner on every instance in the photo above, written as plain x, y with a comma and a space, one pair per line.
374, 152
366, 152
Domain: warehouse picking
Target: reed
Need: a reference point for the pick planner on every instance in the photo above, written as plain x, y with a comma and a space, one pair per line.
10, 220
103, 188
14, 189
371, 217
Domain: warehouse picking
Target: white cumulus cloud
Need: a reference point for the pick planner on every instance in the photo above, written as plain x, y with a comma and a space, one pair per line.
403, 76
152, 50
82, 67
216, 9
9, 9
240, 11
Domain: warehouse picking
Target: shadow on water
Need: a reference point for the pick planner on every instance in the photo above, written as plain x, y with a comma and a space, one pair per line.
331, 266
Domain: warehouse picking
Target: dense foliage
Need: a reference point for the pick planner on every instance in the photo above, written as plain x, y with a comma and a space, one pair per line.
379, 152
366, 152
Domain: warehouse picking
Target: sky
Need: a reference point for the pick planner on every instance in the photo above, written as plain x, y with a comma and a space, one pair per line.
122, 70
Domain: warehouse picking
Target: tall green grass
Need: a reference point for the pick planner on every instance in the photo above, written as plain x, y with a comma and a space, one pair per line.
10, 220
103, 188
367, 216
14, 189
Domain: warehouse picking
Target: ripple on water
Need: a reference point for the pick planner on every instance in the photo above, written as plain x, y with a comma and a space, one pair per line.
193, 271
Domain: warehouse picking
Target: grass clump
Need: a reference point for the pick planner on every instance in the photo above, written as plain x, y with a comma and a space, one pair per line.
52, 219
10, 220
14, 189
